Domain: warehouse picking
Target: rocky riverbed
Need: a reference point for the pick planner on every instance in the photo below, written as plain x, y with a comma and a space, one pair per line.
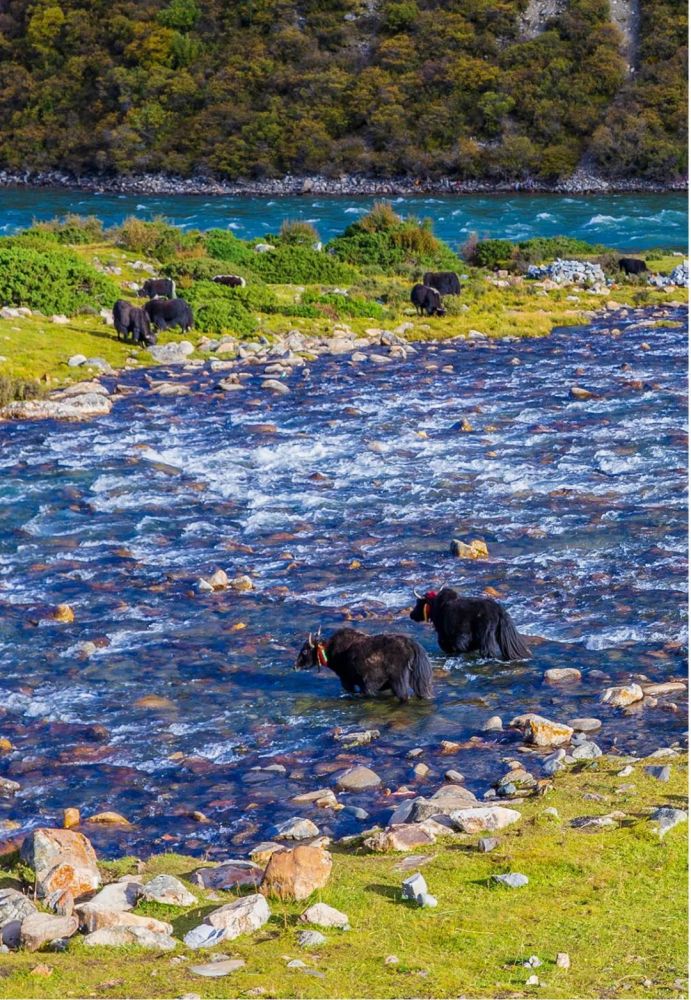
581, 182
325, 486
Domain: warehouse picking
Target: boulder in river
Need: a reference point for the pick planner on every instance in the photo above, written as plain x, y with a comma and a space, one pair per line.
541, 732
620, 697
358, 779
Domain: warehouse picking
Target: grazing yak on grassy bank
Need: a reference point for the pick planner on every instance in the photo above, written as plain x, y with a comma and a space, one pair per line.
370, 663
229, 280
168, 313
470, 625
155, 288
427, 300
446, 282
632, 265
132, 322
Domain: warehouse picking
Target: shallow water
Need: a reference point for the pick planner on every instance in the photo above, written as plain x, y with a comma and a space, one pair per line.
635, 221
582, 506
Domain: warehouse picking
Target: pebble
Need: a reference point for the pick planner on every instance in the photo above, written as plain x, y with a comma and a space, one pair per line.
311, 939
554, 763
563, 960
562, 675
296, 828
492, 724
532, 981
585, 725
487, 844
215, 970
513, 880
454, 776
325, 916
587, 750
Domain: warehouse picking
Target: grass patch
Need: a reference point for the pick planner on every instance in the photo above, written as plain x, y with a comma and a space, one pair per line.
615, 901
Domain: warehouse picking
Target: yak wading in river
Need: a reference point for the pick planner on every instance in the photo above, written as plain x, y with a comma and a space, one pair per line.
370, 663
470, 625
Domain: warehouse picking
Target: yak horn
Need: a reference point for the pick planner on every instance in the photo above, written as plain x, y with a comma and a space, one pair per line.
420, 597
310, 641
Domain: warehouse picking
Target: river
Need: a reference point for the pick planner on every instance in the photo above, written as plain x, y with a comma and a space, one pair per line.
337, 509
634, 221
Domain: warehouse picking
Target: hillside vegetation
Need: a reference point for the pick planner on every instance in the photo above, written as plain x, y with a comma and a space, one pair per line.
261, 88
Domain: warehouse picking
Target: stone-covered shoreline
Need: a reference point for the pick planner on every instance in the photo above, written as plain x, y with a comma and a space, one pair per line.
580, 182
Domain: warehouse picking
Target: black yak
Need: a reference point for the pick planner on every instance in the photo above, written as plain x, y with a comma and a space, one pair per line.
167, 313
470, 625
632, 265
446, 282
229, 280
427, 300
154, 288
370, 663
132, 322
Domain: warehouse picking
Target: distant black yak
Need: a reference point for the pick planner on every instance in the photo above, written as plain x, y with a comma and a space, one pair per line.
632, 265
427, 300
446, 282
229, 280
154, 288
132, 322
370, 663
167, 313
470, 625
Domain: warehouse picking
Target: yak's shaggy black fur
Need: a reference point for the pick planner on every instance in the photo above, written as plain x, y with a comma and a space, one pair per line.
371, 663
470, 625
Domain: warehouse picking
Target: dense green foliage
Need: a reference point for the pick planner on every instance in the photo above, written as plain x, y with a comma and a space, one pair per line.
385, 241
500, 253
259, 88
51, 280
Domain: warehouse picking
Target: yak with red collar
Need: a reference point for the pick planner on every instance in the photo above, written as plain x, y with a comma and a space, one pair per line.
370, 663
470, 625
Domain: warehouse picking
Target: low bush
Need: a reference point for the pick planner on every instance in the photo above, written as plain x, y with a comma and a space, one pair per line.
157, 238
51, 280
544, 248
223, 245
296, 232
493, 253
17, 389
345, 305
72, 228
382, 240
301, 265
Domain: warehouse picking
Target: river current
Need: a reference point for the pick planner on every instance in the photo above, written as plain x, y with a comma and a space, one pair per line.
635, 221
337, 500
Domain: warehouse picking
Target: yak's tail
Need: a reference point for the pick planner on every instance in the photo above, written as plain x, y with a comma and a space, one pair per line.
420, 672
509, 641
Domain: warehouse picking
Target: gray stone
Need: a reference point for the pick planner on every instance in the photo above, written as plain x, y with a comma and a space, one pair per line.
513, 880
587, 750
244, 916
203, 936
117, 896
660, 773
311, 939
273, 385
487, 844
594, 823
413, 886
667, 818
426, 900
14, 908
76, 360
358, 779
174, 353
477, 820
38, 929
214, 970
585, 725
554, 763
229, 875
325, 916
121, 937
454, 776
168, 890
296, 828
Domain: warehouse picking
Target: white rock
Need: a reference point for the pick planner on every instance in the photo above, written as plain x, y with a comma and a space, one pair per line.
120, 937
168, 890
325, 916
243, 916
484, 818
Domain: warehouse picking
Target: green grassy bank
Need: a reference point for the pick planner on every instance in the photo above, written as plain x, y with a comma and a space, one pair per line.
73, 268
613, 900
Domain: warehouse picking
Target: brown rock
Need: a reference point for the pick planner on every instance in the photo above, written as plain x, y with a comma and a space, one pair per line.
619, 697
541, 732
70, 817
562, 675
93, 918
109, 819
229, 875
296, 873
400, 838
41, 928
61, 859
63, 613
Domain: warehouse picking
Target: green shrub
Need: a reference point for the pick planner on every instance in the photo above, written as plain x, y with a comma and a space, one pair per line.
74, 229
51, 280
223, 245
542, 248
383, 240
157, 238
221, 316
218, 309
17, 389
493, 253
289, 265
345, 305
297, 232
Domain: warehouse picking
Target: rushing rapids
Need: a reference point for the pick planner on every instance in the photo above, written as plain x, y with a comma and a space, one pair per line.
337, 499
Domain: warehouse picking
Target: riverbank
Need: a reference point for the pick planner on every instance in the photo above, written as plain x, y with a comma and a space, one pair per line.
591, 837
580, 183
